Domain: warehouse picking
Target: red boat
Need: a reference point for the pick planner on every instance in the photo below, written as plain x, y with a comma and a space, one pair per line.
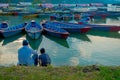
70, 27
55, 31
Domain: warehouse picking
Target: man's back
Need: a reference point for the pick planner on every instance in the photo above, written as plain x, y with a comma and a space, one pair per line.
25, 56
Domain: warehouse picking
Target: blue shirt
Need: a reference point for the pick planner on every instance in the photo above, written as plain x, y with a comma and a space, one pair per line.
25, 56
45, 59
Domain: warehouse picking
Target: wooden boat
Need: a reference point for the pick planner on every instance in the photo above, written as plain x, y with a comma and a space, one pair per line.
10, 31
31, 16
111, 28
34, 29
84, 20
56, 17
3, 25
70, 27
6, 13
55, 31
67, 17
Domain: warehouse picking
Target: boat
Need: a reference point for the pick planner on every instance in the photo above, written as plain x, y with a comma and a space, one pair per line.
34, 30
70, 27
77, 16
55, 31
111, 28
84, 20
3, 25
56, 17
30, 16
13, 30
67, 17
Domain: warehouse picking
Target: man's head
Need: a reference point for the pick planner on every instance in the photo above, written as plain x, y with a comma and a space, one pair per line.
42, 50
25, 42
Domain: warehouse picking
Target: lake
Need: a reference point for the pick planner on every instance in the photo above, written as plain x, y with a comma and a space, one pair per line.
94, 47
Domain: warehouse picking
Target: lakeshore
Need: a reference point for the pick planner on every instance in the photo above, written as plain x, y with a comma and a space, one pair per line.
94, 47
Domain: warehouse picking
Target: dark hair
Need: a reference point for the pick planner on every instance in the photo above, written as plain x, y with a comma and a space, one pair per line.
25, 42
42, 50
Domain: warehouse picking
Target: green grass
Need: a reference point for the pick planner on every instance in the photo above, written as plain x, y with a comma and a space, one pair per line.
59, 73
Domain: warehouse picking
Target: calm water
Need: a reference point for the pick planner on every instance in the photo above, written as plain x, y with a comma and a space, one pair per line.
95, 47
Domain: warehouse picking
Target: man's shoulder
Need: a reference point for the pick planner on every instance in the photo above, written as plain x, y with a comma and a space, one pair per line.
20, 48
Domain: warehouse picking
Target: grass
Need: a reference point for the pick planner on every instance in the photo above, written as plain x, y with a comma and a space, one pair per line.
60, 73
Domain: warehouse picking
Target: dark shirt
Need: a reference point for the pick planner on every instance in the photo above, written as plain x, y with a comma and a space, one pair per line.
35, 57
45, 59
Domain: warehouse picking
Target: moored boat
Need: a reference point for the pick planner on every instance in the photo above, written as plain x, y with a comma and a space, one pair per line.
3, 25
31, 16
10, 31
84, 20
70, 27
56, 17
55, 31
111, 28
34, 30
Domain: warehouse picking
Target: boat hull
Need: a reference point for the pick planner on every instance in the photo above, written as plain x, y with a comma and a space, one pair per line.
109, 28
55, 31
60, 35
71, 27
34, 30
13, 30
77, 30
8, 34
34, 35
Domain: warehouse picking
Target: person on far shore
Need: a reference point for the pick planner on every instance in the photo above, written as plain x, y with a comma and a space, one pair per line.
44, 59
26, 55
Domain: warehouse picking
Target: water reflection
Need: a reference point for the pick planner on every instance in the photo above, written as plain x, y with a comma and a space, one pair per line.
82, 37
60, 41
34, 44
11, 39
1, 39
105, 34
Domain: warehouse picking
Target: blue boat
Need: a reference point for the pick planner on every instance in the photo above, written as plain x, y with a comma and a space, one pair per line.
70, 27
3, 25
84, 20
110, 28
13, 30
55, 31
56, 17
34, 30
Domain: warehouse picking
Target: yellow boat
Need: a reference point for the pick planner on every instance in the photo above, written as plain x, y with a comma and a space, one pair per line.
6, 14
31, 16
